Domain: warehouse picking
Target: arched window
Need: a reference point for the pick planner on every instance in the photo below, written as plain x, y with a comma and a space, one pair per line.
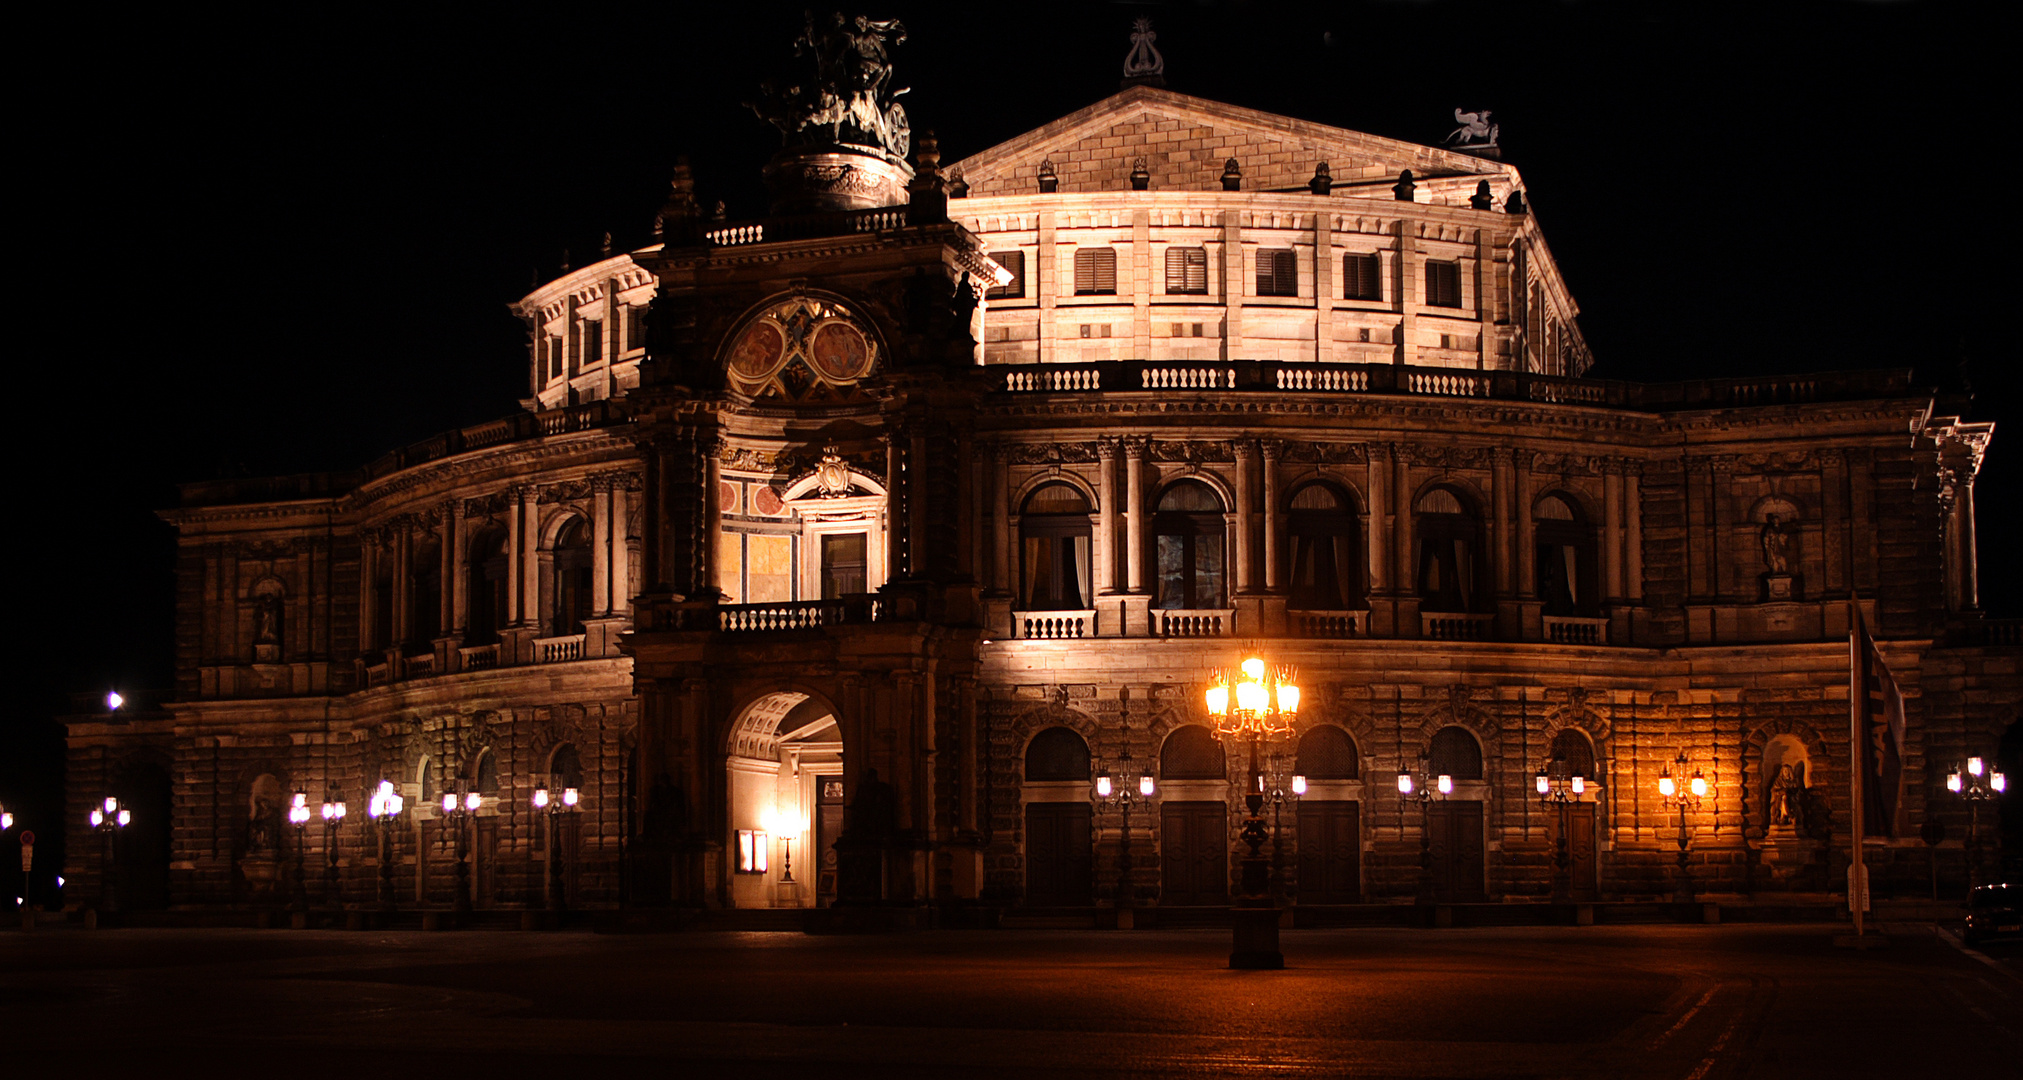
425, 592
1565, 563
1057, 753
487, 594
566, 765
486, 775
1571, 745
429, 791
1191, 753
571, 601
1451, 568
1188, 528
1054, 550
1326, 571
1455, 753
1327, 753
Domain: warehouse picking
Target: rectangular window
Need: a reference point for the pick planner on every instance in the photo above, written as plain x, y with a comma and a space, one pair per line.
1096, 272
1014, 261
551, 346
1360, 277
1187, 271
635, 327
593, 341
1277, 272
1443, 284
843, 565
752, 848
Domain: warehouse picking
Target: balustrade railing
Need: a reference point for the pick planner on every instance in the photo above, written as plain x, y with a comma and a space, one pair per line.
556, 650
1316, 377
1445, 626
1056, 624
1177, 623
795, 615
1174, 377
420, 666
1052, 378
478, 657
378, 674
1330, 624
1565, 630
1448, 383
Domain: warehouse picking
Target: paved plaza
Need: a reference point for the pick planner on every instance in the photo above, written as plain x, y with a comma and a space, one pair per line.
1672, 1002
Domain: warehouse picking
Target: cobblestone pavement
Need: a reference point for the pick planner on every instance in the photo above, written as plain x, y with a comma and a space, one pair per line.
1654, 1003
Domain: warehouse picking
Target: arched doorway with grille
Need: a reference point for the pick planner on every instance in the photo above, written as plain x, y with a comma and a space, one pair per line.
784, 802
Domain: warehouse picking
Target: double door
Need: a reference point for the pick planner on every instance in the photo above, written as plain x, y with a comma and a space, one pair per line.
1580, 848
1330, 852
1456, 831
1194, 854
1059, 862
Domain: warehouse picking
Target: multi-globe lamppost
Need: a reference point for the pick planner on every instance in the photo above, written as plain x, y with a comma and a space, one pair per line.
1280, 791
460, 805
1254, 706
1559, 787
1125, 788
333, 816
1977, 785
1423, 789
109, 818
556, 807
298, 816
384, 809
1687, 800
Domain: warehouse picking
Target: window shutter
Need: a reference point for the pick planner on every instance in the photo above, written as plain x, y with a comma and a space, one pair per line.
1277, 273
1014, 261
1096, 272
1186, 270
1359, 277
1443, 284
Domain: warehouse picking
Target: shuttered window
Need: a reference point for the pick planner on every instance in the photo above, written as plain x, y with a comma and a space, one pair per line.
1096, 272
1443, 284
1186, 271
1360, 277
1014, 261
593, 341
1277, 272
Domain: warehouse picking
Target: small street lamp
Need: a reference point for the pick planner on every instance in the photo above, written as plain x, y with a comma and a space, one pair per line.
556, 807
384, 809
298, 816
1559, 787
1979, 784
1125, 788
109, 818
1253, 707
1280, 791
1687, 800
460, 804
333, 816
1423, 789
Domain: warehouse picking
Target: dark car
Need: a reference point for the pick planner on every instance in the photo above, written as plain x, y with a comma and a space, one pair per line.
1994, 911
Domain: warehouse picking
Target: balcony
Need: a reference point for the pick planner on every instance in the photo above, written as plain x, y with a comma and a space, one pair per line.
558, 650
1054, 625
1561, 630
478, 657
1456, 626
1177, 623
1329, 624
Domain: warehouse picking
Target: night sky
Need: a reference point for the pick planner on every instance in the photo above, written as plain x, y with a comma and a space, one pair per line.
283, 239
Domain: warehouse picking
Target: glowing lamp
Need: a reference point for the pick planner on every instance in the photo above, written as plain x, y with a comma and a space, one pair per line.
111, 804
1288, 698
1544, 783
1250, 694
1446, 784
1404, 783
1299, 785
449, 802
472, 800
1218, 699
541, 797
1579, 785
125, 818
1997, 781
1953, 781
568, 796
1974, 766
1253, 669
1667, 787
97, 817
6, 820
1699, 786
1145, 785
1103, 784
113, 701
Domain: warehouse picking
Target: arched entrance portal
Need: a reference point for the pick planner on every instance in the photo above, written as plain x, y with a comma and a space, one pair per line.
784, 782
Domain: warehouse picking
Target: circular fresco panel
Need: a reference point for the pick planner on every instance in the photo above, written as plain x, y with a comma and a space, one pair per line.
758, 351
839, 352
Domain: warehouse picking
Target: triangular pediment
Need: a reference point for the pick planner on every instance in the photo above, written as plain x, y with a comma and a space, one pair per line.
1185, 141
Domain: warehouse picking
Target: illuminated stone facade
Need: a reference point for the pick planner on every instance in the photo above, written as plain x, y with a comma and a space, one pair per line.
974, 489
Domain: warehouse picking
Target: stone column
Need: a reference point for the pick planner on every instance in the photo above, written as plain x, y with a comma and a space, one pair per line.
459, 548
621, 552
600, 546
1401, 519
1045, 284
1246, 498
1633, 534
403, 583
1106, 515
1500, 530
1376, 470
1406, 303
1232, 284
1612, 532
1272, 518
1141, 282
530, 557
1324, 293
1134, 494
1000, 501
368, 572
1527, 545
446, 548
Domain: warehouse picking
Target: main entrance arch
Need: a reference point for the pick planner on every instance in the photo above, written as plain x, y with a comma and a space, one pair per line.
784, 789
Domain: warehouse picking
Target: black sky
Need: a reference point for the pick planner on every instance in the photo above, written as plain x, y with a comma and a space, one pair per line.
282, 239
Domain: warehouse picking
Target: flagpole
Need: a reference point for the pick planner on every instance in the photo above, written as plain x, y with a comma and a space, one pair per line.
1857, 698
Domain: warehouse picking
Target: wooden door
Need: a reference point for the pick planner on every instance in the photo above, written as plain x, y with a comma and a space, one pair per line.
1457, 851
484, 849
828, 826
1330, 852
1194, 854
1580, 849
1059, 864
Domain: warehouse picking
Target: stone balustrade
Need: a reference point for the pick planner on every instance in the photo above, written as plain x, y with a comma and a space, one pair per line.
1056, 624
1564, 630
1173, 623
1330, 624
1456, 626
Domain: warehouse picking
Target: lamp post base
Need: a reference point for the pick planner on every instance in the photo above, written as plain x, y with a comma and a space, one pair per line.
1254, 936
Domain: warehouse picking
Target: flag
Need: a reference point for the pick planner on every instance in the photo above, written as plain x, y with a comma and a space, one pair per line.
1876, 711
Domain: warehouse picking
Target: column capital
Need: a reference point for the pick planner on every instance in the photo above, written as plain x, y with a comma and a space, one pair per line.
1271, 448
1136, 446
1106, 449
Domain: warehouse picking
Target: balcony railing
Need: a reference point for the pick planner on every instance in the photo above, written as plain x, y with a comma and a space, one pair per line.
378, 674
1174, 623
795, 615
1454, 626
1566, 630
479, 657
420, 665
1330, 624
1056, 624
557, 650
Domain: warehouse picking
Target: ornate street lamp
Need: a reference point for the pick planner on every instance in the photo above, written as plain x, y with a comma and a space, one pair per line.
556, 806
109, 818
333, 816
1254, 706
1976, 788
1280, 791
1424, 789
298, 816
384, 809
1559, 787
1124, 789
460, 804
1685, 794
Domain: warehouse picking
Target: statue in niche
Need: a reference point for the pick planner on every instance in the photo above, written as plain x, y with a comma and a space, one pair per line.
1782, 790
851, 101
1776, 542
263, 818
267, 620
